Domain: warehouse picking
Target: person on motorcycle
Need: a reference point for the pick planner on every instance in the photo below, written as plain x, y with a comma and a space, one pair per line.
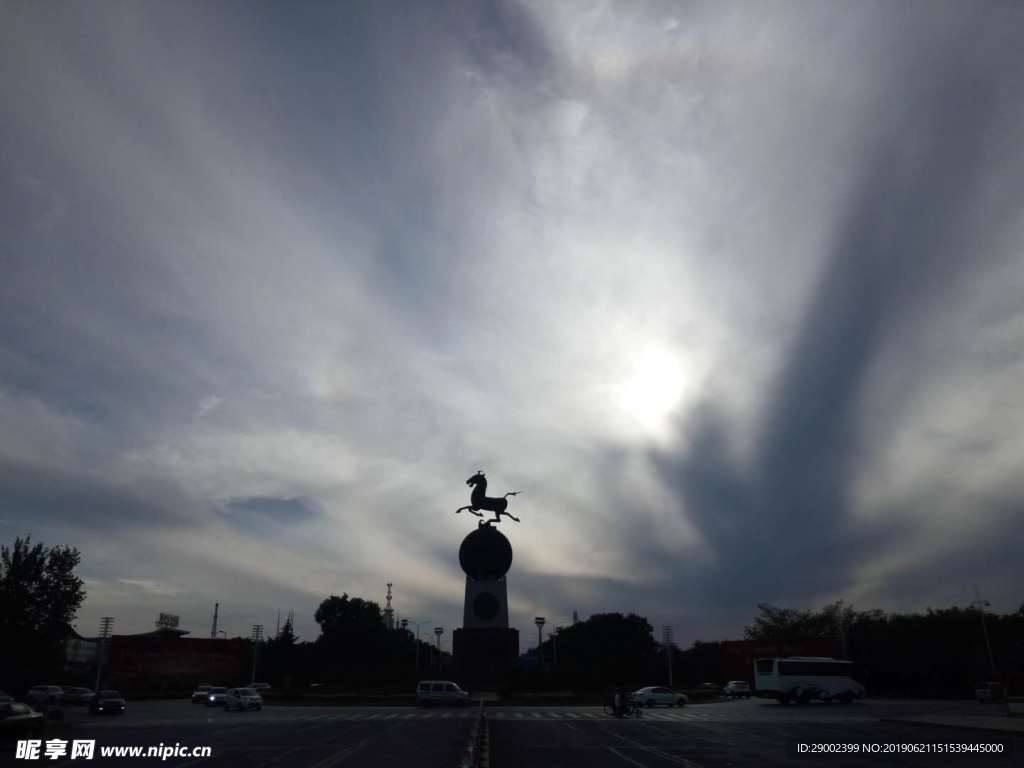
619, 701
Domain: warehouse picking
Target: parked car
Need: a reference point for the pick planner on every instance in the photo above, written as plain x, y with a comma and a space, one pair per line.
242, 698
260, 688
215, 696
653, 695
5, 698
988, 692
107, 702
74, 694
737, 689
714, 688
42, 696
201, 694
430, 692
20, 720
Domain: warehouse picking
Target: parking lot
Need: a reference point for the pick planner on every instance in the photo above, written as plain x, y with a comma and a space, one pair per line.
739, 732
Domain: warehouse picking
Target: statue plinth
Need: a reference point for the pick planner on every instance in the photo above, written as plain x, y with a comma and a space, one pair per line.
485, 648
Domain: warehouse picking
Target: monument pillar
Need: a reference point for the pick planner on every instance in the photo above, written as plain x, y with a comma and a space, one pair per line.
485, 647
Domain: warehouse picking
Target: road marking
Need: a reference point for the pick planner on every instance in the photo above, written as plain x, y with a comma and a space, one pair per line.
616, 752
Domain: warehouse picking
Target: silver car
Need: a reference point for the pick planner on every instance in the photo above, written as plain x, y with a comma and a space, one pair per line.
653, 695
242, 698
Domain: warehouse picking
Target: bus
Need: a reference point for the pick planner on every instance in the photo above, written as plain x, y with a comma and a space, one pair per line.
803, 679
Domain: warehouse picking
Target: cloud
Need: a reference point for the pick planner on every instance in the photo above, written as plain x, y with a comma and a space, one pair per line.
732, 297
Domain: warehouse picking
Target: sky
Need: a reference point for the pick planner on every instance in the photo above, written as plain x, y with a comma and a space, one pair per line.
731, 292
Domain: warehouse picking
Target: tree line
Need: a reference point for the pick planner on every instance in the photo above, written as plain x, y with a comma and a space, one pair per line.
938, 653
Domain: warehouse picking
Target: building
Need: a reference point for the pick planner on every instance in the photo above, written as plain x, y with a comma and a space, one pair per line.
162, 662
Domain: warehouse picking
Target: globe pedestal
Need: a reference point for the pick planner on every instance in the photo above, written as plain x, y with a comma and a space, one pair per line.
485, 648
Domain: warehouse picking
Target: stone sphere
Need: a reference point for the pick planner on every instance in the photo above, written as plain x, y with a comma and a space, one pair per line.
485, 553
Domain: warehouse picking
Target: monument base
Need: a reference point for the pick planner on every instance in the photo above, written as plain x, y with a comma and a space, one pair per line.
484, 658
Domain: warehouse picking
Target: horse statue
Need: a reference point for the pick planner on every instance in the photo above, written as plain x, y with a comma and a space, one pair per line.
479, 500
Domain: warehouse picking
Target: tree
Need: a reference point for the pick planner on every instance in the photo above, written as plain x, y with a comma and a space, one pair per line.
605, 650
39, 598
353, 641
790, 625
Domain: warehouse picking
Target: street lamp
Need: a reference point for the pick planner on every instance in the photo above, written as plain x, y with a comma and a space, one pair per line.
981, 605
417, 625
257, 638
540, 621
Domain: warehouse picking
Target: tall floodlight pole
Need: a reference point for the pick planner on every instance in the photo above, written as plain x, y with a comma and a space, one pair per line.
106, 629
981, 605
437, 633
666, 639
257, 638
540, 621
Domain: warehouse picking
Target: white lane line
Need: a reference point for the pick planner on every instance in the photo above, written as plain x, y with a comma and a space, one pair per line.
616, 752
518, 714
537, 715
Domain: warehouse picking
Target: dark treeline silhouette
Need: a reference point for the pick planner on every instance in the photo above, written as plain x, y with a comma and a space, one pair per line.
355, 651
39, 596
939, 653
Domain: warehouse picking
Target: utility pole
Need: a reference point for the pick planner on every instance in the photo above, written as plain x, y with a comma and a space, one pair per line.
437, 633
213, 629
540, 621
666, 639
417, 625
981, 605
106, 630
257, 638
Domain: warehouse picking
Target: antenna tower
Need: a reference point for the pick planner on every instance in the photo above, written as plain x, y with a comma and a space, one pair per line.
389, 612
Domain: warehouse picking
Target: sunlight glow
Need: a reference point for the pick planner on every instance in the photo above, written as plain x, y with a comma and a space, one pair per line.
653, 388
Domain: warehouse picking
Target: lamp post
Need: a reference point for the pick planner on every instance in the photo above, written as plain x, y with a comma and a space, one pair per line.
437, 633
417, 625
106, 630
981, 605
540, 621
257, 638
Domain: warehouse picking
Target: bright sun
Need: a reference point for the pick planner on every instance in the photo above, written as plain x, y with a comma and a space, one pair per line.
654, 384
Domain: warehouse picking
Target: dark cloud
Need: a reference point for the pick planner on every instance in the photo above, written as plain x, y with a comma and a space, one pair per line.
924, 216
39, 495
245, 511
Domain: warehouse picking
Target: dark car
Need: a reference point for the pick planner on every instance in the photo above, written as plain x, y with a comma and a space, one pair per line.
201, 693
19, 720
215, 696
74, 694
107, 703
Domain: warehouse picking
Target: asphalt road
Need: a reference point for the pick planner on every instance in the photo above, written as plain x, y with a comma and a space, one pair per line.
735, 733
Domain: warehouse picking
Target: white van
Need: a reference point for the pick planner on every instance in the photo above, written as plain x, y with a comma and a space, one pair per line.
440, 692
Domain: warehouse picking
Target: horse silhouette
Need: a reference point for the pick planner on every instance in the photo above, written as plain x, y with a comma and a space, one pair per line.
479, 500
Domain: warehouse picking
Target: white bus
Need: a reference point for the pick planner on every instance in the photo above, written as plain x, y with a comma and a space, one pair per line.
803, 679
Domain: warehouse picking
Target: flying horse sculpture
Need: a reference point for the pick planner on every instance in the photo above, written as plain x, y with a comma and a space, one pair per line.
479, 500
